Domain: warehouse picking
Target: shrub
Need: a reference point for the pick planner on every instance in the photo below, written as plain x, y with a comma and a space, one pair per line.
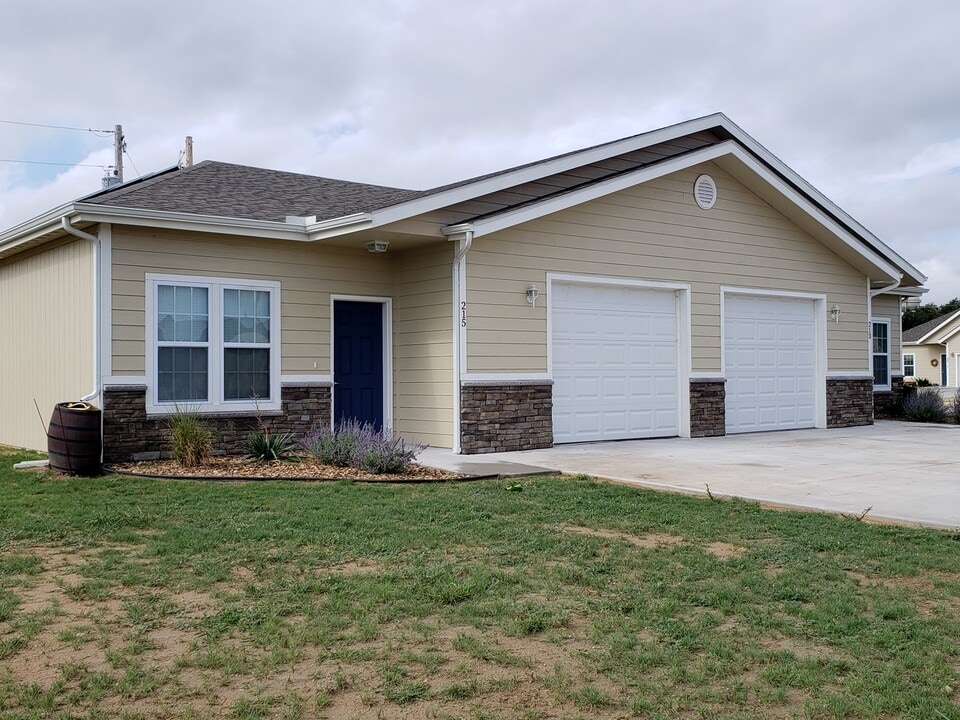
190, 439
359, 445
925, 406
331, 447
923, 382
955, 410
263, 446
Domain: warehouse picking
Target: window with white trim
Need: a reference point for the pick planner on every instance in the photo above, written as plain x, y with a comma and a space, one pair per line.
909, 365
880, 346
215, 344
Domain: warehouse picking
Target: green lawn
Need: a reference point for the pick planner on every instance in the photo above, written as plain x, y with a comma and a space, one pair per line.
546, 598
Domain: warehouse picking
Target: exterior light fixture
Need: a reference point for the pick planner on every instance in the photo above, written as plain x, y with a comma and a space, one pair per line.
835, 313
378, 246
532, 292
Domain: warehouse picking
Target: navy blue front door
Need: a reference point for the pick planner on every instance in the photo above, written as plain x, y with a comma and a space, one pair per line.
358, 362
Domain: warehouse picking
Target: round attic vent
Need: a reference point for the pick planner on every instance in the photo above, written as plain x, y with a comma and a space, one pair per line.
705, 191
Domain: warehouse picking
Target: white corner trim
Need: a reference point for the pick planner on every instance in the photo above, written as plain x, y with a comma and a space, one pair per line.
105, 233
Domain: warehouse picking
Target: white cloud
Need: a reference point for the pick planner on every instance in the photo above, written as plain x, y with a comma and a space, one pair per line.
856, 96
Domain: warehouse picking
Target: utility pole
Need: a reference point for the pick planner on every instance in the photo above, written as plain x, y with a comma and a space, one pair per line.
118, 147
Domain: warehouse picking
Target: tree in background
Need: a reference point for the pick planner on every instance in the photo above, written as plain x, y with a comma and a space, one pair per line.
924, 313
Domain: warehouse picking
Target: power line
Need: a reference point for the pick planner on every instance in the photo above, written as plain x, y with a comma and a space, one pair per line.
40, 162
56, 127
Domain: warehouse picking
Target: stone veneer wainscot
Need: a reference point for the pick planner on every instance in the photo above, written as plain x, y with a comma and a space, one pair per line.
849, 401
129, 434
708, 414
500, 417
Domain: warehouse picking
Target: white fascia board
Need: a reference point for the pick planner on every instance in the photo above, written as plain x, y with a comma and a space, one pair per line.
808, 189
509, 218
946, 338
936, 330
858, 244
33, 228
462, 193
187, 221
338, 226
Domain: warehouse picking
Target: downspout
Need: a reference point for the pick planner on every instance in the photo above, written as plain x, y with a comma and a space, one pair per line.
459, 327
65, 222
888, 288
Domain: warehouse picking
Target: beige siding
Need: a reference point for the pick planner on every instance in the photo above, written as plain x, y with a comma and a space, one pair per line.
888, 306
656, 231
308, 274
423, 349
46, 322
923, 355
419, 281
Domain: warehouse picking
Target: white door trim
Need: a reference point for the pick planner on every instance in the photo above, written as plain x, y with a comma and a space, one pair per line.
684, 331
819, 334
387, 315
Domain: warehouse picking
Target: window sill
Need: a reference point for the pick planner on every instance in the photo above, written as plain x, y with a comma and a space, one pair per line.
238, 410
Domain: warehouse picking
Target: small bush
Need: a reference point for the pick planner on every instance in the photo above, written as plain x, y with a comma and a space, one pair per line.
265, 447
923, 382
190, 439
925, 406
955, 410
359, 445
331, 447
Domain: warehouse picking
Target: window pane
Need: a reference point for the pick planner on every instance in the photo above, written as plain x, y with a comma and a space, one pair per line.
246, 373
880, 370
880, 337
181, 374
181, 314
246, 316
908, 365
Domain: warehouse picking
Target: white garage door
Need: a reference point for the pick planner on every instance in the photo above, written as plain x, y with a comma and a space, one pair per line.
769, 353
614, 352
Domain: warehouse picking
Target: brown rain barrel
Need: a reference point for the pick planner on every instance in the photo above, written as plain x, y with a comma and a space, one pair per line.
73, 440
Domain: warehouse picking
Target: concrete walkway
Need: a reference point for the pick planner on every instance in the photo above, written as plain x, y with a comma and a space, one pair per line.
904, 472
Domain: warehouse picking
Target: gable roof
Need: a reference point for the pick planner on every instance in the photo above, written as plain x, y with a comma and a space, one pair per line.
924, 332
236, 199
240, 191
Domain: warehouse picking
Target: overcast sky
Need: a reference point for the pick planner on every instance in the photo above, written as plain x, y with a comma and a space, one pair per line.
861, 97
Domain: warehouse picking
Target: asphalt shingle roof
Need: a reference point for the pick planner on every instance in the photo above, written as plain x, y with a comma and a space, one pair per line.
239, 191
915, 333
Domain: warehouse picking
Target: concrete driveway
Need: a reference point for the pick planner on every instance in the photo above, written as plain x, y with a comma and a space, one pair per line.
904, 472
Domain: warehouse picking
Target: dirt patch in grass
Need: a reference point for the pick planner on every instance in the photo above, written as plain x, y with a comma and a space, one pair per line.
649, 540
720, 550
229, 468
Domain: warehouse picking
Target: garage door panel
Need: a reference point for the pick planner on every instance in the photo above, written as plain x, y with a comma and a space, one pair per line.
614, 359
769, 353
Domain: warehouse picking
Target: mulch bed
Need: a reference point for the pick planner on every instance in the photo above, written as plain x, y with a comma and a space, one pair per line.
241, 468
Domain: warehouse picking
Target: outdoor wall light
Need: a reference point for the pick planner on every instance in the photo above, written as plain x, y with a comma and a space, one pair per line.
835, 313
532, 292
378, 246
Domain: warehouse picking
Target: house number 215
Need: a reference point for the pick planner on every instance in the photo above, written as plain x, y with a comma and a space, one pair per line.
463, 314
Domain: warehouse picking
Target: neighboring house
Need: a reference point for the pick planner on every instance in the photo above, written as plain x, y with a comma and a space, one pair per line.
682, 282
931, 351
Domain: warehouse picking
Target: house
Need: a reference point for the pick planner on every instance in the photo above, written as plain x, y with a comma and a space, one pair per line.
931, 351
681, 282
